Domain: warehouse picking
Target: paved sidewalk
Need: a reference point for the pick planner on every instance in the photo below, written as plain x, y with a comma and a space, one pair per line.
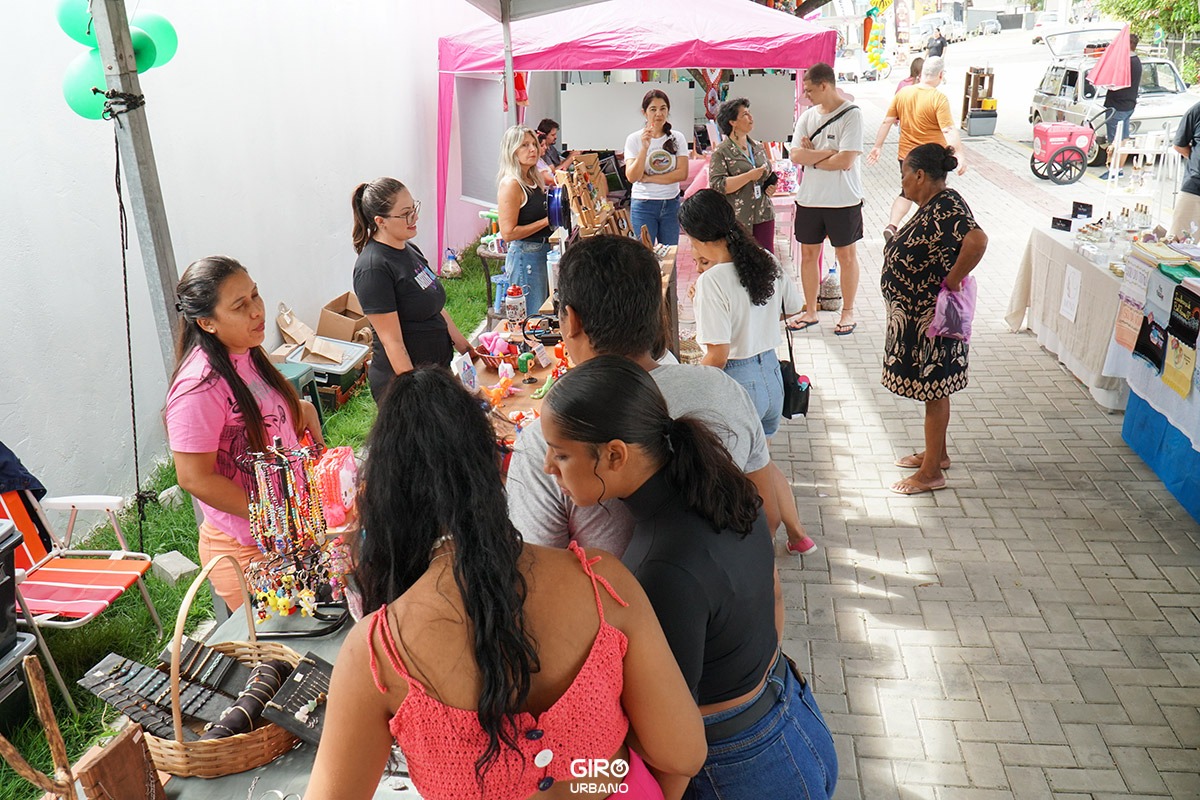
1030, 632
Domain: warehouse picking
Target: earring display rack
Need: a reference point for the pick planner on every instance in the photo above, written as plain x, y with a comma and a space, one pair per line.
299, 706
144, 694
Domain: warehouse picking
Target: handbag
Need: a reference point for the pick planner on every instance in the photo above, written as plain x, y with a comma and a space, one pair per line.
796, 388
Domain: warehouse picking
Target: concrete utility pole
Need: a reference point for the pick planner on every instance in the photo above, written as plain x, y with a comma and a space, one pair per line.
141, 174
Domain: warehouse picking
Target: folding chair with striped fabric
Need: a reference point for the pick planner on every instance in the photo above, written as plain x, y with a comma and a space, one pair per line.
58, 587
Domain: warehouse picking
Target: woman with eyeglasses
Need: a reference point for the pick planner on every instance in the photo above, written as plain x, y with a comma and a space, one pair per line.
399, 293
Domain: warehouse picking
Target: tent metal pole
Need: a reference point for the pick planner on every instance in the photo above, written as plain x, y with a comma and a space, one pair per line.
509, 84
141, 174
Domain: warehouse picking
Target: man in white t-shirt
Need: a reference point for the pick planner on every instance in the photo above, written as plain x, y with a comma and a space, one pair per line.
827, 143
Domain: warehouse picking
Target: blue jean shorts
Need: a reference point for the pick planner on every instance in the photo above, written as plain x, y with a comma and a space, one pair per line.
1111, 118
760, 376
788, 753
525, 266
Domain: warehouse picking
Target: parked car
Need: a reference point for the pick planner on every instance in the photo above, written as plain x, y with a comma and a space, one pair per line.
1045, 22
987, 27
1066, 94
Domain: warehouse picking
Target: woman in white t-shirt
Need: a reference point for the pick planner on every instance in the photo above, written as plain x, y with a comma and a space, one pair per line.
741, 296
656, 161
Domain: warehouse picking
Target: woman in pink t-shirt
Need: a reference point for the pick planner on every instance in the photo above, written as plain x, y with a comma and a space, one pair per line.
226, 399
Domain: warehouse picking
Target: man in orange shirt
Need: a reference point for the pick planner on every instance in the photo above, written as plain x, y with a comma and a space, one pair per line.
924, 116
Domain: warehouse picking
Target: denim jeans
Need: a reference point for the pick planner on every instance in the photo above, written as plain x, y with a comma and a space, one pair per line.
760, 376
786, 754
525, 266
1113, 118
661, 218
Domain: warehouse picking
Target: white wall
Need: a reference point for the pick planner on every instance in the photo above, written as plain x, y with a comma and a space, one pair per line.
267, 117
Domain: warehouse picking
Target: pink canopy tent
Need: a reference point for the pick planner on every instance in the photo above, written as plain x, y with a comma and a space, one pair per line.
628, 34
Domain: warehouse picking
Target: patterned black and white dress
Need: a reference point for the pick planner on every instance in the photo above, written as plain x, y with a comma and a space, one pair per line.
915, 262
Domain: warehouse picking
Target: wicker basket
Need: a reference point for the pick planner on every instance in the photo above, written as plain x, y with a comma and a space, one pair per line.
494, 361
215, 758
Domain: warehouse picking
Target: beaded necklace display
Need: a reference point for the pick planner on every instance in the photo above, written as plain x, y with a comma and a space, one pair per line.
301, 564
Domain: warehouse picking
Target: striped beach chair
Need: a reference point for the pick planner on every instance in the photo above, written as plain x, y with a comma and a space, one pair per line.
58, 587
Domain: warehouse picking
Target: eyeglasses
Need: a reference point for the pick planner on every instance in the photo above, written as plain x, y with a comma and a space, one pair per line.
407, 216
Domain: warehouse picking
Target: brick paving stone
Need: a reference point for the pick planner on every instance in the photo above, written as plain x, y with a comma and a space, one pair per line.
1030, 632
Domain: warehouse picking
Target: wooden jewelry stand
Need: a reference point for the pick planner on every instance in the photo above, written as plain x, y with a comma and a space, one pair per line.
596, 218
122, 769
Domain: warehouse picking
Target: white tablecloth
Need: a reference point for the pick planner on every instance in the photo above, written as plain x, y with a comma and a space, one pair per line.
1182, 412
1080, 345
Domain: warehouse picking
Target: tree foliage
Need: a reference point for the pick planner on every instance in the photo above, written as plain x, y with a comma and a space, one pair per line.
1178, 18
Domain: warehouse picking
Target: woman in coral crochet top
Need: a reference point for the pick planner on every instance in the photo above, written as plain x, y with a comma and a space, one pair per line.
502, 669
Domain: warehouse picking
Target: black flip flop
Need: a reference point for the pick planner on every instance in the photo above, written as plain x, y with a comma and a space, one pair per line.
803, 325
845, 330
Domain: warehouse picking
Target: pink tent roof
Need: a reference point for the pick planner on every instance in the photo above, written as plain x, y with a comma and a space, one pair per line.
636, 34
629, 34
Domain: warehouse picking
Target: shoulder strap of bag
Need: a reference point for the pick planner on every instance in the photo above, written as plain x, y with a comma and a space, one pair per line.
791, 355
832, 120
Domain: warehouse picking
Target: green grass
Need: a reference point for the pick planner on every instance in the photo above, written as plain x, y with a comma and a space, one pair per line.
466, 297
126, 627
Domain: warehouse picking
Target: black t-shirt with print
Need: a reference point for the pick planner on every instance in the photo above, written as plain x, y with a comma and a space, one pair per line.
388, 279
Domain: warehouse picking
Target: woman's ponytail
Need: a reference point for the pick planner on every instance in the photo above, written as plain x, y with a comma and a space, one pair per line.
708, 217
670, 145
371, 200
700, 468
609, 397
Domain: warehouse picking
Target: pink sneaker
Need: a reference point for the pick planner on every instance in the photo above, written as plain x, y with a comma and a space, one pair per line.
805, 547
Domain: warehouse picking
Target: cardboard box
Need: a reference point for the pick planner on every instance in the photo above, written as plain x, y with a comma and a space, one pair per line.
341, 318
279, 354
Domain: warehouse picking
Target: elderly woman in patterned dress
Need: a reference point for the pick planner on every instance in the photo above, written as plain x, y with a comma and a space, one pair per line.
939, 246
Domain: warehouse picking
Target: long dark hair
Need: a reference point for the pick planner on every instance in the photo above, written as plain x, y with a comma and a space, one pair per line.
609, 397
708, 217
437, 473
670, 145
371, 200
197, 295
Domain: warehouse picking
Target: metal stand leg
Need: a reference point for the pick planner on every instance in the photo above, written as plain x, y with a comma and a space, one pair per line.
37, 633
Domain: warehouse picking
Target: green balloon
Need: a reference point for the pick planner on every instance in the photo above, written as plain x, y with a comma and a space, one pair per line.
144, 51
84, 72
160, 29
76, 21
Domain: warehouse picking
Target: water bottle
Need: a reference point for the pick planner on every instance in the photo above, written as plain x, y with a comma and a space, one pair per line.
514, 307
829, 298
552, 259
450, 266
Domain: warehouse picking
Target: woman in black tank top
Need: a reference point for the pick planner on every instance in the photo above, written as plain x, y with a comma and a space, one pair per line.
524, 224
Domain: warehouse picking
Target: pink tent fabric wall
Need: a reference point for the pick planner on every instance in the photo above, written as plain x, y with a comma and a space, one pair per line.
629, 34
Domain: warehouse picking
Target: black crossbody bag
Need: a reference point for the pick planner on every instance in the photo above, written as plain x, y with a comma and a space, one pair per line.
826, 124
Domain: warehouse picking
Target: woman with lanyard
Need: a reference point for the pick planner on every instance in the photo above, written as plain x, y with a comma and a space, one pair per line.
655, 162
226, 400
400, 295
740, 169
704, 557
524, 222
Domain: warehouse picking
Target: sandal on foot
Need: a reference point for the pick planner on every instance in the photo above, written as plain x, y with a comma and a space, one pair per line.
803, 324
915, 461
842, 329
908, 486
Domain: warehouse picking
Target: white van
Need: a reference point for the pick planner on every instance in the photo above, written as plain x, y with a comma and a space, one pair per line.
1066, 95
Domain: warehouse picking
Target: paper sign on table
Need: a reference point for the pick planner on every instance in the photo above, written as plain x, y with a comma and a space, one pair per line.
1151, 343
1070, 293
1179, 366
1134, 284
1185, 315
1129, 323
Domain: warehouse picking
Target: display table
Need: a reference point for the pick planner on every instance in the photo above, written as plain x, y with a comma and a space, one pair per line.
1162, 427
289, 772
1081, 345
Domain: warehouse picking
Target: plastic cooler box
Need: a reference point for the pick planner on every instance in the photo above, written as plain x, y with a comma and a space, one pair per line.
10, 539
1049, 137
339, 376
14, 698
